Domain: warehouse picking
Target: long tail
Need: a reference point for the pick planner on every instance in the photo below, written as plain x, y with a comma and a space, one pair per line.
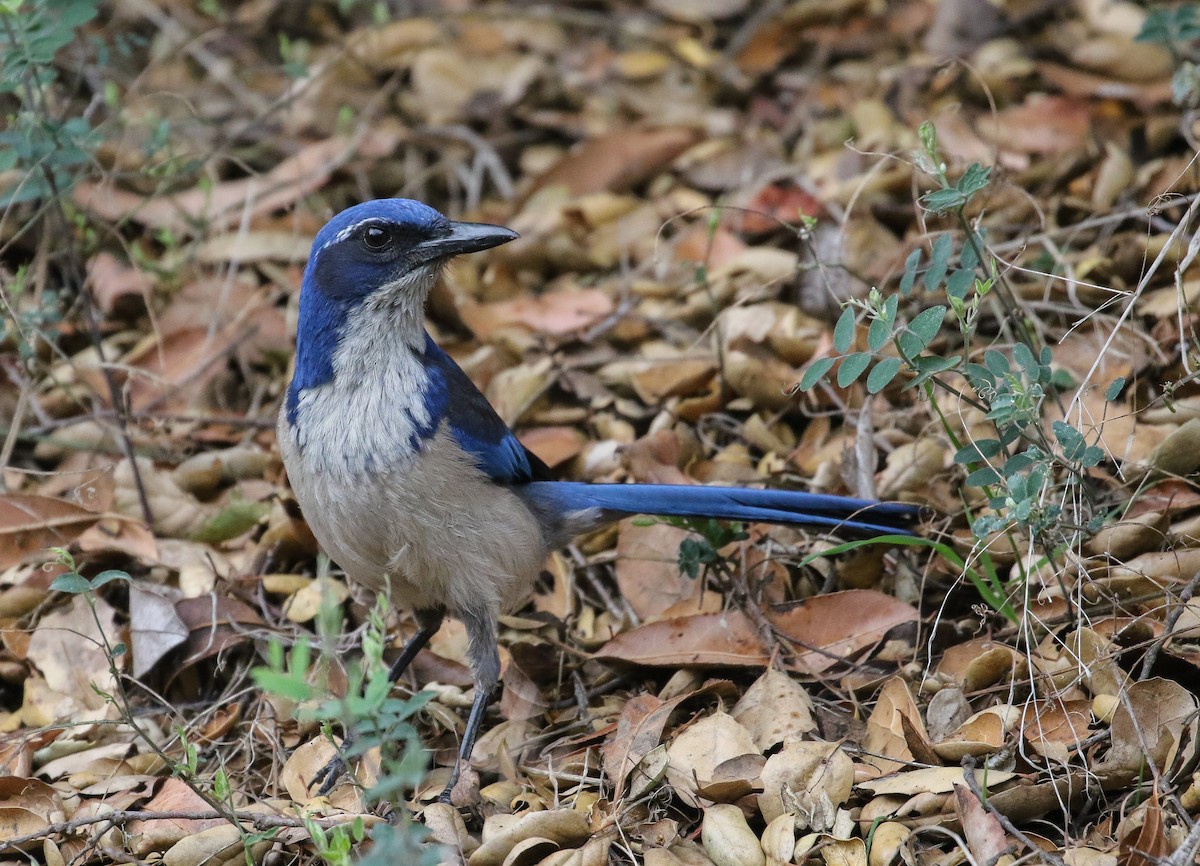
730, 503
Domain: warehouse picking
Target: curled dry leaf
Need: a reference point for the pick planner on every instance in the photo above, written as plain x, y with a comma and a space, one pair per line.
984, 733
565, 828
694, 754
886, 735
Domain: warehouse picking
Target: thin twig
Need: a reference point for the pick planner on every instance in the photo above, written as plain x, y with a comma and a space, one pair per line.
1169, 627
968, 765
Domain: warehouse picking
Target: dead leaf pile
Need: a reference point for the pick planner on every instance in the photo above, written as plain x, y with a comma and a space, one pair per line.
699, 187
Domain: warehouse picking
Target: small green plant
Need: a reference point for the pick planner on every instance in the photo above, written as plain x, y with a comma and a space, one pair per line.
1177, 29
1029, 469
377, 719
41, 151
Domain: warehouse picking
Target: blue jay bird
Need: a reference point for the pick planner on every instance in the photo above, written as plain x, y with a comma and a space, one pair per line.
410, 480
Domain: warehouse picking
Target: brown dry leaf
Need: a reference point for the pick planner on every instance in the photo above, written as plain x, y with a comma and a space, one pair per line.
985, 837
554, 445
27, 806
30, 524
177, 514
216, 846
310, 599
155, 628
226, 203
775, 709
725, 638
557, 313
728, 839
616, 161
1041, 125
69, 648
158, 834
984, 733
932, 780
302, 767
1052, 728
116, 286
886, 735
1155, 718
639, 731
647, 568
809, 780
502, 833
695, 753
839, 623
1147, 843
977, 664
446, 80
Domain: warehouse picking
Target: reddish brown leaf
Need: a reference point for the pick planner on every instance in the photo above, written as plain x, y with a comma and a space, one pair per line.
718, 639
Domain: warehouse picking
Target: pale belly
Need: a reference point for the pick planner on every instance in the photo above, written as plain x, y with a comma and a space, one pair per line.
434, 532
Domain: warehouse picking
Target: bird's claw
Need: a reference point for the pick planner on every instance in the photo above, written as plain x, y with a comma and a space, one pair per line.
327, 777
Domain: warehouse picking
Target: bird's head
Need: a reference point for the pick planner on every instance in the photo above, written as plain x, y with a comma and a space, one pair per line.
371, 267
389, 247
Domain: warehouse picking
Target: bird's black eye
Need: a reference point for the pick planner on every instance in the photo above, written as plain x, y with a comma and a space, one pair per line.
376, 239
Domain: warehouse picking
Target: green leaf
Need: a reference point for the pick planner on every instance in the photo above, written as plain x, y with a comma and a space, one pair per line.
70, 582
1114, 389
881, 374
959, 283
110, 575
979, 451
996, 363
939, 259
1024, 358
878, 335
942, 200
983, 477
282, 684
234, 519
973, 180
815, 373
1067, 436
843, 331
1092, 456
852, 367
890, 306
926, 324
910, 272
929, 366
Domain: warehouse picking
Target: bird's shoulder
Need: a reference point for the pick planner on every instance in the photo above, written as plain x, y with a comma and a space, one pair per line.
475, 425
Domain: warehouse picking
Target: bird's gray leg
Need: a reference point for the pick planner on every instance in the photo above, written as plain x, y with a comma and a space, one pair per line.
484, 653
428, 623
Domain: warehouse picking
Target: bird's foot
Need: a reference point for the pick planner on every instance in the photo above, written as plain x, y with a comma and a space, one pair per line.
327, 777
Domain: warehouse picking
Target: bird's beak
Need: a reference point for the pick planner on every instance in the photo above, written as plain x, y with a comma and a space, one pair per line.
465, 238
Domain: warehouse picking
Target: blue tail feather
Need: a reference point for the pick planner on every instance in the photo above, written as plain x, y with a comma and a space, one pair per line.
732, 503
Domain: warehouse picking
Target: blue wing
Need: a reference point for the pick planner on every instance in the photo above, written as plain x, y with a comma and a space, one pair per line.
474, 423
